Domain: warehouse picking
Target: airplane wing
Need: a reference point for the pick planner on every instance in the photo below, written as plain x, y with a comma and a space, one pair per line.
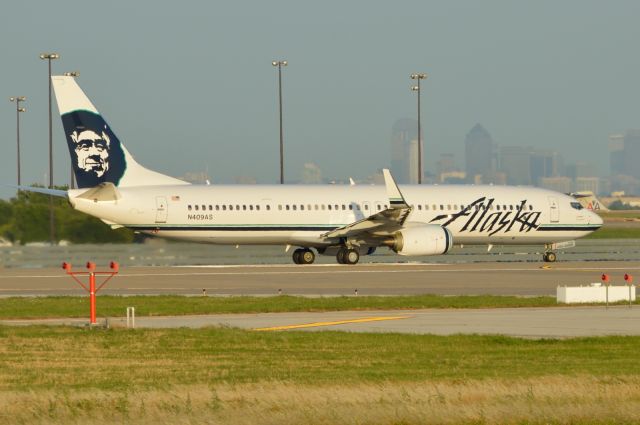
388, 220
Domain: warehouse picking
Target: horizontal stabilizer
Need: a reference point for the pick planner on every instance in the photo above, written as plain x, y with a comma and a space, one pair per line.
43, 190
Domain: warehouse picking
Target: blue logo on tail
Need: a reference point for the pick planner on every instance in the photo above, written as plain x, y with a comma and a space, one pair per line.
96, 153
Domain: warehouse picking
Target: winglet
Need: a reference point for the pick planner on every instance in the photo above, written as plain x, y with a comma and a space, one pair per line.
396, 200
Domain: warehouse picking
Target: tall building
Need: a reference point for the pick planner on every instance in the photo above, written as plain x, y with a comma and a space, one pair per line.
311, 173
515, 163
544, 163
404, 151
616, 154
479, 155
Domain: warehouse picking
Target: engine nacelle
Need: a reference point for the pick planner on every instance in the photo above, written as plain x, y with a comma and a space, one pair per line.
422, 239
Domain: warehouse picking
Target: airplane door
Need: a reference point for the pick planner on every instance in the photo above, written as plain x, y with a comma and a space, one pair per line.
554, 210
161, 209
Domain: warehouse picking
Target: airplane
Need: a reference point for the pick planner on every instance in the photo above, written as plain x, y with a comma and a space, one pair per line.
345, 221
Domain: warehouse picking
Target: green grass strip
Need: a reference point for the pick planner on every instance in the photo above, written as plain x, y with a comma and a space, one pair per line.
55, 307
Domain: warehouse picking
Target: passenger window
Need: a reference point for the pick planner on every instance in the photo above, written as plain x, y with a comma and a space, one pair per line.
498, 207
315, 207
257, 207
280, 207
449, 207
344, 207
197, 208
294, 206
224, 208
189, 207
244, 207
441, 207
329, 207
350, 207
217, 207
379, 207
309, 207
366, 207
287, 207
237, 207
301, 207
268, 207
322, 206
434, 207
511, 207
251, 207
426, 207
230, 207
336, 207
530, 207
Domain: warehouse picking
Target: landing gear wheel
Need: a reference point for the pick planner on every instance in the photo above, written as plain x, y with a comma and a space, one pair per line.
307, 257
351, 256
340, 255
297, 256
550, 257
303, 256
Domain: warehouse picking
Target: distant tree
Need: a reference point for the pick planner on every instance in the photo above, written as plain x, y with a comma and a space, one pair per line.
618, 205
25, 219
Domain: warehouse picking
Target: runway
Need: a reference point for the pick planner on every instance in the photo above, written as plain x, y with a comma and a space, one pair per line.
523, 279
554, 322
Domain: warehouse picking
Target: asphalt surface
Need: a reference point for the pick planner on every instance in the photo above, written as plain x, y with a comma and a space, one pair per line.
524, 279
554, 322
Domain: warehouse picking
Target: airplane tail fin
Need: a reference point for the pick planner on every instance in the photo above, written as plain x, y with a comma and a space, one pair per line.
589, 201
97, 156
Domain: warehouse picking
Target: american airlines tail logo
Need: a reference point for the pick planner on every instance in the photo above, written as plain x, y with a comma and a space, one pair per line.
479, 218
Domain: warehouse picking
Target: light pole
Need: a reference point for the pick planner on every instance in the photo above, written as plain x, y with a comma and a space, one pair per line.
419, 77
49, 57
280, 64
73, 74
18, 99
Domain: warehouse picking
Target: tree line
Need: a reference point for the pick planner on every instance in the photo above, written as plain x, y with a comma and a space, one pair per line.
25, 219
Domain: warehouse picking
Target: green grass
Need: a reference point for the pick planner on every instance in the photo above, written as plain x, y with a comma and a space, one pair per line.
54, 307
619, 214
63, 358
607, 232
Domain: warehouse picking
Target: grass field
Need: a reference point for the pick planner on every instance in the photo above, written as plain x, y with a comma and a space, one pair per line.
52, 307
613, 232
73, 375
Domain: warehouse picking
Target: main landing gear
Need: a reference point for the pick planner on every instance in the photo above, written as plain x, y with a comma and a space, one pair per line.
347, 256
549, 257
303, 256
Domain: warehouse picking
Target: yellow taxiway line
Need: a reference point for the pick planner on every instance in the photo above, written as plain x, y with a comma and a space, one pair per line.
338, 322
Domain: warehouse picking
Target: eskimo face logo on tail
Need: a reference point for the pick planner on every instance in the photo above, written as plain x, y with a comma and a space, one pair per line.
92, 151
96, 154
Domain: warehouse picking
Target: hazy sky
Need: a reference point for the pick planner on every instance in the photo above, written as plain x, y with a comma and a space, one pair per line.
189, 85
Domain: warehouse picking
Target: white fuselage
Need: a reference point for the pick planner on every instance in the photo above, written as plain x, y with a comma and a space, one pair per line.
301, 214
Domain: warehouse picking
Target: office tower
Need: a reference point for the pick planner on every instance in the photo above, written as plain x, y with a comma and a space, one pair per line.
404, 150
479, 155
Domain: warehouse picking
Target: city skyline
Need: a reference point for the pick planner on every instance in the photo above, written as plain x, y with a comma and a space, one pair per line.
168, 77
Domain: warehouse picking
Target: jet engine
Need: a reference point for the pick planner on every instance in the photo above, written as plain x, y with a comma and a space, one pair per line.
422, 239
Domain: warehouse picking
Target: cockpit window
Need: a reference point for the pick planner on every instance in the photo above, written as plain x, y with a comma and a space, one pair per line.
576, 205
